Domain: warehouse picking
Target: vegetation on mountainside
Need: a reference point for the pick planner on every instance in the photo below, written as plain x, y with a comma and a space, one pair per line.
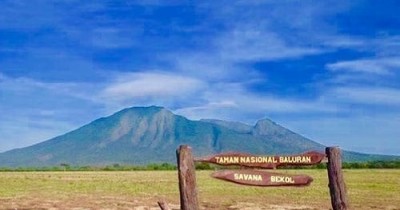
143, 135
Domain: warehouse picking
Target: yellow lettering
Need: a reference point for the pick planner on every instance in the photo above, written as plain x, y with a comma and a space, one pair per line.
262, 159
281, 179
255, 159
247, 177
236, 176
236, 159
295, 159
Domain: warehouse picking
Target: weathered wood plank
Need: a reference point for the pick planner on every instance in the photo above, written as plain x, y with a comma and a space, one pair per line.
270, 162
262, 178
337, 186
163, 205
187, 178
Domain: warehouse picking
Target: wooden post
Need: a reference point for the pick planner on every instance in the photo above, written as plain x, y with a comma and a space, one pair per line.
187, 178
163, 205
337, 186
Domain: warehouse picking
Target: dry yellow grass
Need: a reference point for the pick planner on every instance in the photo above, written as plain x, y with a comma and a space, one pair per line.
367, 189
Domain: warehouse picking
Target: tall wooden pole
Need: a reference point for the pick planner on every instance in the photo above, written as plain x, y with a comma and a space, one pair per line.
187, 178
337, 186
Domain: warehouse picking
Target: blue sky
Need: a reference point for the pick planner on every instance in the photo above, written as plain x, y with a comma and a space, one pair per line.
329, 70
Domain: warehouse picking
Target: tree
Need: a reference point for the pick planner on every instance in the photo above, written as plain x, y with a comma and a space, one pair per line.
65, 166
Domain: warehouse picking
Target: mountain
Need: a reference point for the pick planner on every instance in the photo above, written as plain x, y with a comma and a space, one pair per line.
142, 135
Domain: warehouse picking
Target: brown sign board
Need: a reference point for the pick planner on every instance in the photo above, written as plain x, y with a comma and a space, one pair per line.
262, 178
248, 160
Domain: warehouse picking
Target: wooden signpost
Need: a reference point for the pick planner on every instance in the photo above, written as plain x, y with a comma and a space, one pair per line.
268, 162
187, 178
262, 178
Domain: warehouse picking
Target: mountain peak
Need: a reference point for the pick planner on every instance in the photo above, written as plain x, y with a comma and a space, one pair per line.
136, 123
266, 127
265, 122
144, 109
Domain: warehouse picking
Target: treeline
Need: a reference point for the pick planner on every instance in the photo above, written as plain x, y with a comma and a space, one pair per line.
199, 166
114, 167
372, 164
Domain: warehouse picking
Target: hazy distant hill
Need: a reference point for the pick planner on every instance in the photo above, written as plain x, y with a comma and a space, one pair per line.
143, 135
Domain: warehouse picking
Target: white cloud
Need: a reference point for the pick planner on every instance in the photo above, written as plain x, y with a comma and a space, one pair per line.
365, 95
232, 101
382, 66
196, 99
24, 85
228, 53
210, 110
150, 85
342, 41
383, 46
254, 44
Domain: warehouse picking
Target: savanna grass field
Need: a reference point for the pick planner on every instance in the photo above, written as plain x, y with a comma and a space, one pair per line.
367, 189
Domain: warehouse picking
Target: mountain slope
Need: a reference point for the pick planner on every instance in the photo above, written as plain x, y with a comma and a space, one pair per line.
143, 135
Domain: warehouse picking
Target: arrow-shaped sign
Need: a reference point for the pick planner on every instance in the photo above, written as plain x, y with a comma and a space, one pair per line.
262, 178
243, 159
